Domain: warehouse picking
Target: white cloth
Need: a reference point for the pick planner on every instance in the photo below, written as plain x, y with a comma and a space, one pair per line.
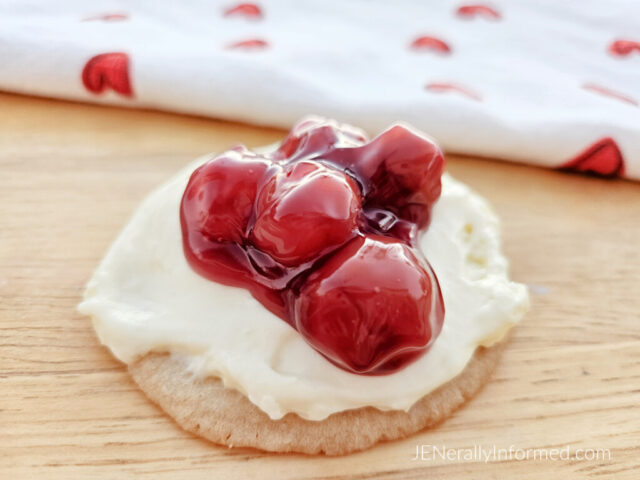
541, 81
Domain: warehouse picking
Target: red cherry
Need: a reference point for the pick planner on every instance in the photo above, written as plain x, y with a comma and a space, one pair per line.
401, 170
373, 307
219, 198
300, 229
314, 136
305, 211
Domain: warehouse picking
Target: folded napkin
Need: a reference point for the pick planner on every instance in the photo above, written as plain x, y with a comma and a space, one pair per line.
546, 82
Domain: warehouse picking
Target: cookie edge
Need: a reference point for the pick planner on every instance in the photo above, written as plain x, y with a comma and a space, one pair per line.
205, 407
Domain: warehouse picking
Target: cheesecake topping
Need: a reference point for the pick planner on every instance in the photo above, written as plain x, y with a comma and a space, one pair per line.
323, 232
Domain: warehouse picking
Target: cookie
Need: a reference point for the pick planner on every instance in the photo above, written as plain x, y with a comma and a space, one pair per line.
227, 417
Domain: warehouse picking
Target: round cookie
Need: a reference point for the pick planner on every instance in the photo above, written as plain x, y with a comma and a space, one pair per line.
227, 417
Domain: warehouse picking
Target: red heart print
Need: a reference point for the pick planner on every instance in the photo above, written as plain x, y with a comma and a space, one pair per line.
249, 44
248, 10
602, 158
108, 70
599, 89
622, 48
443, 87
108, 17
472, 11
430, 43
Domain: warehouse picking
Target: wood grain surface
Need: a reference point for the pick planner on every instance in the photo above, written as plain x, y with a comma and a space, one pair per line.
70, 176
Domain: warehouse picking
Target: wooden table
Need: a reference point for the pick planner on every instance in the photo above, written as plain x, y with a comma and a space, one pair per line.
70, 176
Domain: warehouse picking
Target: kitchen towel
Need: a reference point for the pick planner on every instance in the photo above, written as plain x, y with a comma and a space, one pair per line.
544, 82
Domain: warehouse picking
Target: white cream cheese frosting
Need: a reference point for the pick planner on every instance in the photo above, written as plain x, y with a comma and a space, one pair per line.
144, 297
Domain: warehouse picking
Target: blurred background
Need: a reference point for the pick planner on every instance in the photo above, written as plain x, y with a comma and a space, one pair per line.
549, 83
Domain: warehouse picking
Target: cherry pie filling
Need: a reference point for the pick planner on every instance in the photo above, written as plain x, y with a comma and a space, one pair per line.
323, 232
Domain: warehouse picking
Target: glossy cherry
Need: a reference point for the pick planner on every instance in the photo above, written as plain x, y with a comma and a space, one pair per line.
304, 212
371, 306
315, 136
322, 231
400, 170
219, 199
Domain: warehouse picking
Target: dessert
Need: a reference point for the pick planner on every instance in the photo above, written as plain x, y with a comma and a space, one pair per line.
317, 296
322, 232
